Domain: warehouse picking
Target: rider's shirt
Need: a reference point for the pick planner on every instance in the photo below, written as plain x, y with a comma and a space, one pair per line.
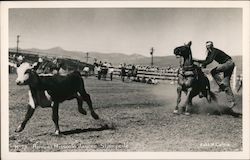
217, 55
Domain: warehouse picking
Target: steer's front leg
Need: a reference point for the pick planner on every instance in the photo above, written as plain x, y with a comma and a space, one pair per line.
28, 115
55, 117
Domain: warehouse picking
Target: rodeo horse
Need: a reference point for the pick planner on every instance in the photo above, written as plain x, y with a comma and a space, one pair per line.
191, 80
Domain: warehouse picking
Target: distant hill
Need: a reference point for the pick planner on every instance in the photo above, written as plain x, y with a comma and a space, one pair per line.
117, 58
114, 58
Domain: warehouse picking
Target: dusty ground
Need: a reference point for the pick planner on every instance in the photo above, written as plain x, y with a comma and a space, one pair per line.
134, 117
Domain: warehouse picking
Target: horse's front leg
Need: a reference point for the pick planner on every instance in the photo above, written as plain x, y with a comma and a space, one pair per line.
191, 94
189, 83
179, 91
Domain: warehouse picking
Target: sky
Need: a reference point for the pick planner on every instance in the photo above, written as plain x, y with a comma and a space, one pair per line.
127, 30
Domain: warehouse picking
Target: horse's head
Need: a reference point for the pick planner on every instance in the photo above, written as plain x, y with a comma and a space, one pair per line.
183, 51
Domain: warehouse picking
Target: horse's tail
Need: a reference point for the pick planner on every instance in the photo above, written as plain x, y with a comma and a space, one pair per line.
213, 96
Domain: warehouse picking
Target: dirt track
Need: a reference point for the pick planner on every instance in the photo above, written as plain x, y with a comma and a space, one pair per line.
134, 117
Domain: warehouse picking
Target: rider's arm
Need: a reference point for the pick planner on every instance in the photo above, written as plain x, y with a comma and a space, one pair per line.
209, 59
199, 61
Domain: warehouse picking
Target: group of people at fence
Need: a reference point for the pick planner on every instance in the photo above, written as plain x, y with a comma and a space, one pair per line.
46, 65
124, 71
149, 68
103, 69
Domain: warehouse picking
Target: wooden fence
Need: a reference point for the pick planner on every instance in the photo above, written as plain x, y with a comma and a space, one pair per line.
167, 75
172, 75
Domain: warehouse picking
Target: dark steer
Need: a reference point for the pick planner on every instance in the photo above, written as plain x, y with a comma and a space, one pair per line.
50, 90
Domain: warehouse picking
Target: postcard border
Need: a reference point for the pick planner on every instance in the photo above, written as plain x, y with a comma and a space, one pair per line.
122, 155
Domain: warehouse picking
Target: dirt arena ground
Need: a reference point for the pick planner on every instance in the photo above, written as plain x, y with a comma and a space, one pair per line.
134, 117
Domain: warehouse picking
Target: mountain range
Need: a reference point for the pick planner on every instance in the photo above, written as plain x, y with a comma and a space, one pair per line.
114, 58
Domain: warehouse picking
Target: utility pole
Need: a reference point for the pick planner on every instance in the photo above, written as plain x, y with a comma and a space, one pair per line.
87, 57
17, 43
152, 54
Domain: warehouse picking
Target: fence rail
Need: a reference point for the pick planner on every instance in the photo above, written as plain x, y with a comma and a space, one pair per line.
168, 75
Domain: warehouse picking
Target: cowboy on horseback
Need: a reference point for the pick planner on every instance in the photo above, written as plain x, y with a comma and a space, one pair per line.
191, 80
226, 66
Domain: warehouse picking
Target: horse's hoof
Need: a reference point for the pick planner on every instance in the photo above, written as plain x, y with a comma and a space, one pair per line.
176, 111
201, 96
187, 114
19, 128
94, 115
57, 132
238, 115
83, 111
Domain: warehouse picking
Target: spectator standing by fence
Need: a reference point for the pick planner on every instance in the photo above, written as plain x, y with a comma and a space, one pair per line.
123, 72
20, 60
110, 71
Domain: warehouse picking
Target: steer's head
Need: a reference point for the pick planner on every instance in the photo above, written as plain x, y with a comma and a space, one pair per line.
26, 74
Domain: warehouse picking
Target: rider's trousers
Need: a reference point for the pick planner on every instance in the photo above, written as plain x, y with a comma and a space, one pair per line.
227, 69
